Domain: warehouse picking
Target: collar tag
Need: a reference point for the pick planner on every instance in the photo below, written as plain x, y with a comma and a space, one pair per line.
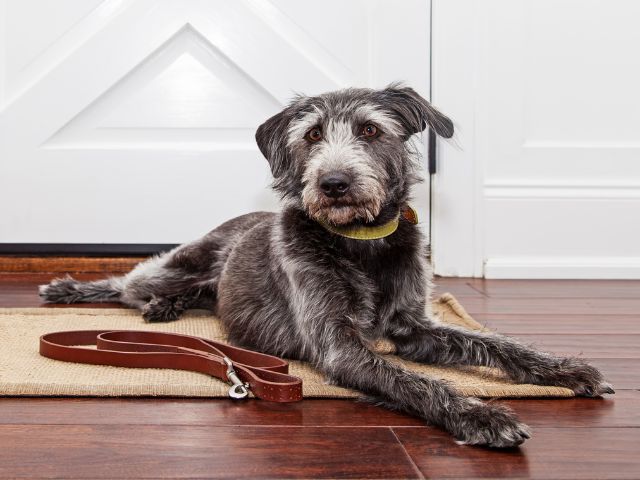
409, 214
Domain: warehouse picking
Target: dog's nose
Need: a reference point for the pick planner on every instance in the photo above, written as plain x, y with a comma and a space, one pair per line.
334, 184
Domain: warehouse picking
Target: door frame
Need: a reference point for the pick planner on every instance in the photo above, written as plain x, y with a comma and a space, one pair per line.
457, 207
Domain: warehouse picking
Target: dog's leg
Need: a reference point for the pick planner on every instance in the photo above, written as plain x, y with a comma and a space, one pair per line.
69, 290
348, 363
433, 342
333, 315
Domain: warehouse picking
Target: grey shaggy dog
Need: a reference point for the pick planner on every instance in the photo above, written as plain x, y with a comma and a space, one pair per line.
285, 284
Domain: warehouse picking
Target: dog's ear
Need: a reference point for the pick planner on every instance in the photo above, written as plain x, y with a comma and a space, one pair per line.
414, 112
271, 138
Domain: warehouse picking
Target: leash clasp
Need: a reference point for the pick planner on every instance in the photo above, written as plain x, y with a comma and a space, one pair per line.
238, 389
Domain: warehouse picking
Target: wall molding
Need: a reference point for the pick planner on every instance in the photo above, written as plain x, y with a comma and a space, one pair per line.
553, 145
26, 265
85, 249
606, 189
627, 268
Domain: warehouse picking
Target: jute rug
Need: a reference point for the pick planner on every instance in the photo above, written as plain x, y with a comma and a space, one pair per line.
24, 372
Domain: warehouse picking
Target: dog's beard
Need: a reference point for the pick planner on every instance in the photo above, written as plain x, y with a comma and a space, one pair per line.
343, 210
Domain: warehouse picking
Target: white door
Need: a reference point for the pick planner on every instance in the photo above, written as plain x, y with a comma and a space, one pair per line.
132, 121
545, 179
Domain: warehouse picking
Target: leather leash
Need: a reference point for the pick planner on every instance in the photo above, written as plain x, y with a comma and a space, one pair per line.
265, 375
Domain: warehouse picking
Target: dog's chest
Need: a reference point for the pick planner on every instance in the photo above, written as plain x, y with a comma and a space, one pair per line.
398, 280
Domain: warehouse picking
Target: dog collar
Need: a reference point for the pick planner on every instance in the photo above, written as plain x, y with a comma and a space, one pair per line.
375, 232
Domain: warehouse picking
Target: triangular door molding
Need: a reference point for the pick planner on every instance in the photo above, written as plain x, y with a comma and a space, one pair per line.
186, 94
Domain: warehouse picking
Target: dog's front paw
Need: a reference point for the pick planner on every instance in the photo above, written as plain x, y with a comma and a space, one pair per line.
582, 378
489, 425
160, 309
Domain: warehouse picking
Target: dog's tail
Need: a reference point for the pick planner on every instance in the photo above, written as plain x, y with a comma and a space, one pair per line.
69, 290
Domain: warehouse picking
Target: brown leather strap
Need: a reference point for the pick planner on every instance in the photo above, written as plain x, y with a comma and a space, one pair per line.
266, 375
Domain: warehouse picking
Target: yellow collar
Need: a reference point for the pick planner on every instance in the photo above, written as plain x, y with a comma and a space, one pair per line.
375, 232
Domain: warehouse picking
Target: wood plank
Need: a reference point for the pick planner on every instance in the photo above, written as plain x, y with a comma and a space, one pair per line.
125, 451
31, 299
213, 412
472, 287
557, 288
623, 373
31, 278
12, 263
551, 453
515, 324
457, 287
21, 289
591, 346
621, 410
556, 306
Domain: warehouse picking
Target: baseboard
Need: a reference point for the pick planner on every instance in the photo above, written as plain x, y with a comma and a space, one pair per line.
85, 249
20, 264
604, 268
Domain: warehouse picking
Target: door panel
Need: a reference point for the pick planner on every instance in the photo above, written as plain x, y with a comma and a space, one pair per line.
547, 182
132, 121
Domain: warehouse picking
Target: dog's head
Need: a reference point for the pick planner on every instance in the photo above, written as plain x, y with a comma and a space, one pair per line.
343, 156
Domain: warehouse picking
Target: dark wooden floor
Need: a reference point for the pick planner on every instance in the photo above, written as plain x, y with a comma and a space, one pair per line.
144, 438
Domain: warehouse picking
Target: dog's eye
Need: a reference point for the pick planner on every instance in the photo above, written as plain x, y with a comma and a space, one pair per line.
314, 135
370, 131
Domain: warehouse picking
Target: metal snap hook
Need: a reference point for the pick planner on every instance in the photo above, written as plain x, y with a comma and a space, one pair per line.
238, 389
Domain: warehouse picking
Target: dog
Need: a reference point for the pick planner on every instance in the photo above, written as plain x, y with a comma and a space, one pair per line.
340, 266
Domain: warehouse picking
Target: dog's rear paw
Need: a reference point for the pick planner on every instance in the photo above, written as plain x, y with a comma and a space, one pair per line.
490, 425
60, 290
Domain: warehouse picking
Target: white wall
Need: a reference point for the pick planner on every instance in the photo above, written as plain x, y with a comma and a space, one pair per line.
543, 180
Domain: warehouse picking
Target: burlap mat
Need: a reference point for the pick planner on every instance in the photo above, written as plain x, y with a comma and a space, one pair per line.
24, 372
